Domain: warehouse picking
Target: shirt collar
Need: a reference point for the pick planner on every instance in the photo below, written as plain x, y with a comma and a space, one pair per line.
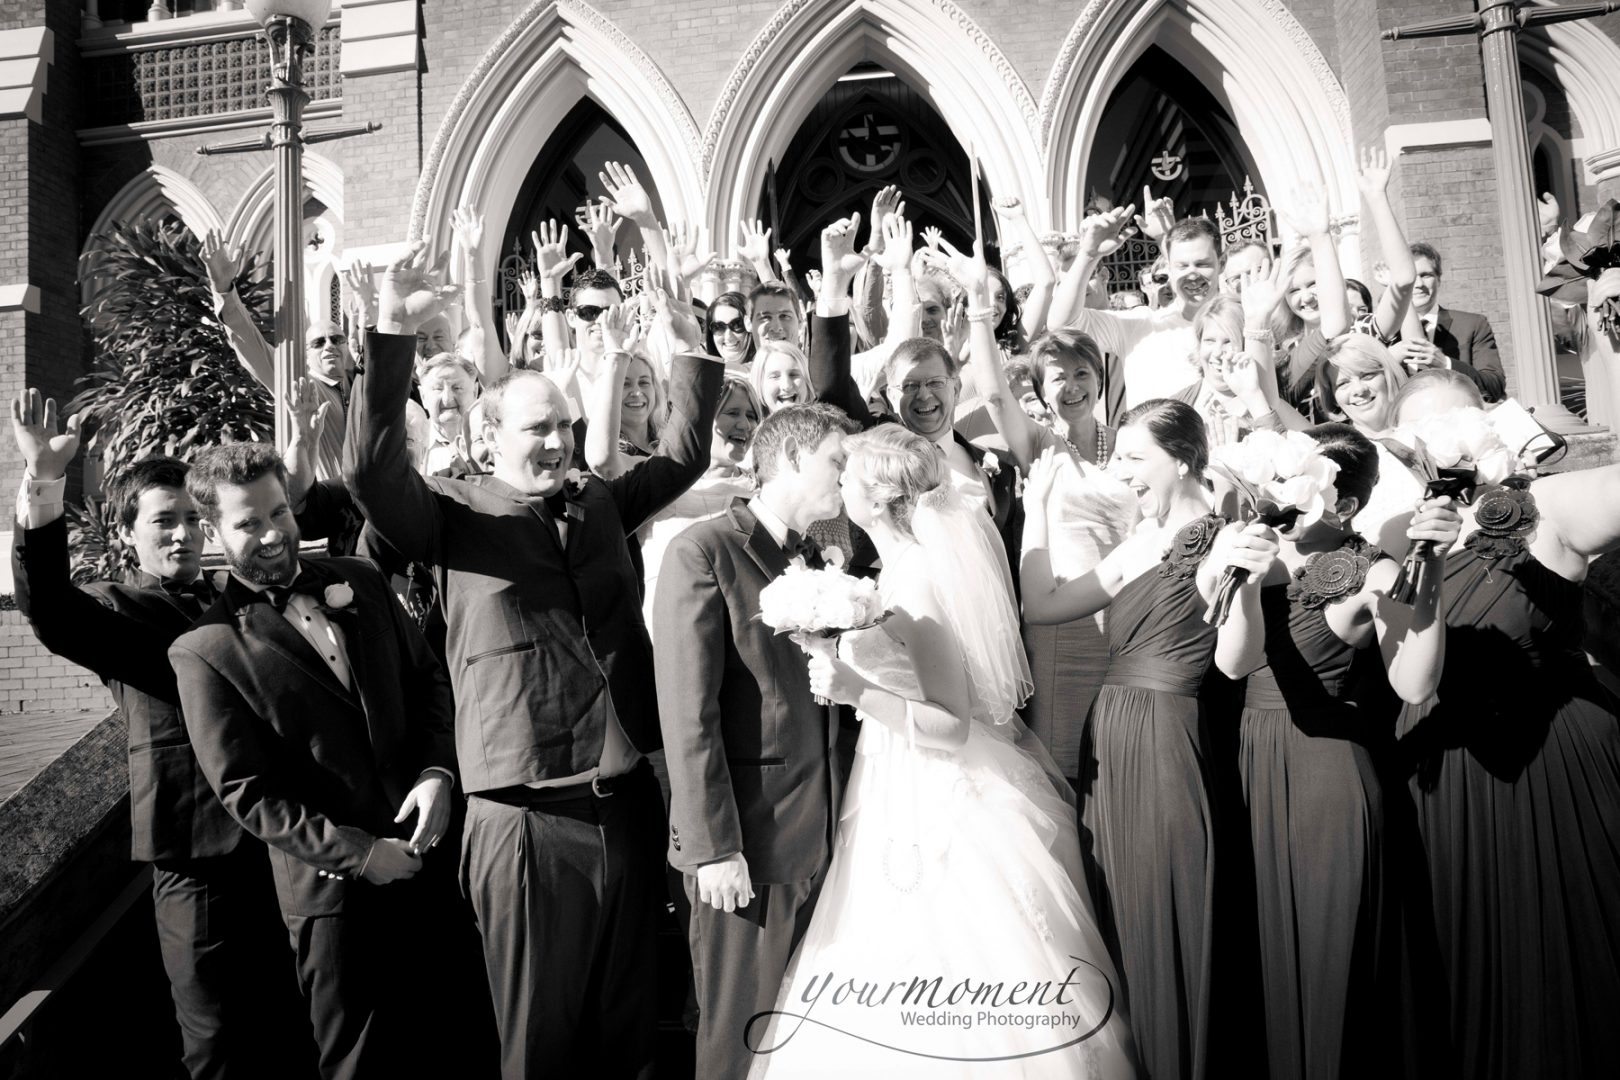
766, 517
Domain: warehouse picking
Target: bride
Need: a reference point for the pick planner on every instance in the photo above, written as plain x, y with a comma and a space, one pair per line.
950, 937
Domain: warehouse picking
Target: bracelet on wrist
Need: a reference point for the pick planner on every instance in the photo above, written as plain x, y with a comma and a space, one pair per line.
552, 303
984, 315
1257, 335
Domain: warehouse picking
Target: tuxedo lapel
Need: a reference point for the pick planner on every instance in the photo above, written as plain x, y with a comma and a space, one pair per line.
758, 542
262, 623
575, 522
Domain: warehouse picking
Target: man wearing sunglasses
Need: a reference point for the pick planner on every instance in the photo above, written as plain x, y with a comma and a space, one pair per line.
595, 290
327, 358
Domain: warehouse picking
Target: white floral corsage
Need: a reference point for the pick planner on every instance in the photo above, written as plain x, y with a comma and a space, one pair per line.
338, 596
991, 464
574, 481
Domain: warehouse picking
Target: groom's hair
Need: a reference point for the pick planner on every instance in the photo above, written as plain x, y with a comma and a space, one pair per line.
798, 427
237, 464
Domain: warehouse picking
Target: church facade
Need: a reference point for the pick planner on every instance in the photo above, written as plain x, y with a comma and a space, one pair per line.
786, 111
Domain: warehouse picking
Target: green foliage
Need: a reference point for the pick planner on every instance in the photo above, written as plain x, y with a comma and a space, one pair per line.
165, 380
98, 553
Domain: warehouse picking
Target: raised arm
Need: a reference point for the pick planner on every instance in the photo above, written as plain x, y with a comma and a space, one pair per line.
1017, 230
985, 375
1373, 180
603, 415
484, 345
754, 248
829, 344
1100, 235
377, 467
1306, 214
1582, 510
683, 444
601, 227
631, 200
552, 262
223, 264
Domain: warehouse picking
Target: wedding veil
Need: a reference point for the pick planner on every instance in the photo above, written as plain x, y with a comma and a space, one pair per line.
967, 564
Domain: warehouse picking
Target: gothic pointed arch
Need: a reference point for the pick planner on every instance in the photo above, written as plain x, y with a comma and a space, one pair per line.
554, 54
1254, 57
253, 217
809, 44
151, 195
1582, 60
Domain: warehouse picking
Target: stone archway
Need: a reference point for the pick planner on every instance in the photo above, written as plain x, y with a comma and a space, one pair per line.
151, 195
1252, 55
553, 55
809, 44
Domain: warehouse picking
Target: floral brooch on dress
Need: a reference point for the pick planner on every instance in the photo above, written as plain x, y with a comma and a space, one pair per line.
1192, 542
1505, 520
1328, 577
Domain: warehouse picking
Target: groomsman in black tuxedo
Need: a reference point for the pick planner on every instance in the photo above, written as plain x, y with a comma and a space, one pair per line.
323, 722
553, 673
210, 882
753, 784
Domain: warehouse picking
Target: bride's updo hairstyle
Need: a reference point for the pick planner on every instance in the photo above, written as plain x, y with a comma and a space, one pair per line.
1356, 457
898, 466
1177, 428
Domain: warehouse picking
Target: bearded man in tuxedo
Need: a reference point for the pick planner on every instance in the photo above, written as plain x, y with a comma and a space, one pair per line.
323, 722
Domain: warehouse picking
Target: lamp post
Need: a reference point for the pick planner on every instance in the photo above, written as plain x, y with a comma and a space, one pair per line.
289, 27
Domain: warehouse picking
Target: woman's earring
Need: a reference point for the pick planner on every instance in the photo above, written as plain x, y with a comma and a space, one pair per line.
1181, 470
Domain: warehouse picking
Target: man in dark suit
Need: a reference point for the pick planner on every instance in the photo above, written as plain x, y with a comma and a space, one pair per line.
753, 786
322, 721
553, 675
1460, 340
922, 386
211, 892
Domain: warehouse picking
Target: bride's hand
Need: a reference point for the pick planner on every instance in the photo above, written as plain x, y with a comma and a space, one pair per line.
833, 679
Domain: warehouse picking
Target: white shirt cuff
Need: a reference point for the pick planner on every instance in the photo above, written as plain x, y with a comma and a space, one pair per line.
39, 502
833, 307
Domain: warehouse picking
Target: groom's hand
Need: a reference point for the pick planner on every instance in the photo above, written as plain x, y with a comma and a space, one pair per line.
725, 885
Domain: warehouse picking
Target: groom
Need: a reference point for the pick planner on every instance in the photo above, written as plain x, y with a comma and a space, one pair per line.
753, 784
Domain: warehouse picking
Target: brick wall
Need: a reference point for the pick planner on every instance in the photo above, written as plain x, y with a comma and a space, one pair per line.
33, 680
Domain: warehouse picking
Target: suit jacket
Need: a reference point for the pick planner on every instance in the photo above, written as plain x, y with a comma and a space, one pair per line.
748, 749
122, 633
830, 374
538, 635
1468, 340
314, 770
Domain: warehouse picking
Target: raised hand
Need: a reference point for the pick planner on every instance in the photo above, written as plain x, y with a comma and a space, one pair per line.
953, 327
529, 285
390, 860
677, 320
1008, 208
885, 202
970, 270
1305, 212
1262, 292
468, 225
562, 369
895, 254
308, 410
839, 260
1242, 376
1157, 218
1102, 234
362, 293
620, 328
626, 193
812, 280
46, 452
412, 291
1373, 176
755, 246
552, 261
220, 262
688, 251
932, 237
784, 259
1043, 476
600, 223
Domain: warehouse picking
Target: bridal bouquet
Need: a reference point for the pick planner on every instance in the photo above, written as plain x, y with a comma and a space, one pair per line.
1280, 481
820, 603
1452, 453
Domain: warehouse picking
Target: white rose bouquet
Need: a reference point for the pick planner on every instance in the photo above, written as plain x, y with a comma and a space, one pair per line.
1453, 453
821, 603
1282, 481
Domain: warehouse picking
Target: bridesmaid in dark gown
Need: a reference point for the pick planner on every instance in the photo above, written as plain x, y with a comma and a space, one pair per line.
1515, 766
1312, 759
1146, 824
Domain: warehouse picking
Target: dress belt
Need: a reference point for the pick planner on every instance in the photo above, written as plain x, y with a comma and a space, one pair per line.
1262, 692
1152, 673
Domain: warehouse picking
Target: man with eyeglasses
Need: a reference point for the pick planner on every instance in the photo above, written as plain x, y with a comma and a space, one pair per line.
327, 358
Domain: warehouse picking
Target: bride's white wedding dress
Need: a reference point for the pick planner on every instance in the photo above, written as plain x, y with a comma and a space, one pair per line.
958, 866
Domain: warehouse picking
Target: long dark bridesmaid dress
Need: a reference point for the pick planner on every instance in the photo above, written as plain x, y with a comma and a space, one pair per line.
1146, 833
1325, 882
1515, 767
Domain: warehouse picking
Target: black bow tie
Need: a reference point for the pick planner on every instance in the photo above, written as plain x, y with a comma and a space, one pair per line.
803, 546
197, 589
277, 596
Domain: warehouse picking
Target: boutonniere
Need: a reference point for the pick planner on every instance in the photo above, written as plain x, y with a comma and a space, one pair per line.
990, 463
339, 596
574, 481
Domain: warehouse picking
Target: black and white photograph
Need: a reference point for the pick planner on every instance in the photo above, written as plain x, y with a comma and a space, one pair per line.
827, 539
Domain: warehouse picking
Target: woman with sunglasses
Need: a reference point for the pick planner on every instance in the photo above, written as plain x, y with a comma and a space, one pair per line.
1515, 768
726, 333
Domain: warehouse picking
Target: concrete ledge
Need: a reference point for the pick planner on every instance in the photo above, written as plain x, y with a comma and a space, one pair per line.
64, 853
1437, 133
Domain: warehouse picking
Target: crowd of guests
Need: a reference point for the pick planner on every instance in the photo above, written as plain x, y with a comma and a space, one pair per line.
1338, 833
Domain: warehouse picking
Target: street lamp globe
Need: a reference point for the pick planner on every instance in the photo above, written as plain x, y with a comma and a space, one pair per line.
312, 13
